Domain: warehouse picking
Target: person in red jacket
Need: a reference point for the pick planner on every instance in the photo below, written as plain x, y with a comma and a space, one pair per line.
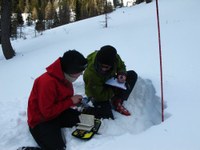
52, 98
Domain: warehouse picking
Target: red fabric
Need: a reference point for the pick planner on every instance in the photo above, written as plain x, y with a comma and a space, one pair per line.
50, 96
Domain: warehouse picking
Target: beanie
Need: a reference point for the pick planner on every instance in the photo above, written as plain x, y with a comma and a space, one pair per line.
107, 55
73, 62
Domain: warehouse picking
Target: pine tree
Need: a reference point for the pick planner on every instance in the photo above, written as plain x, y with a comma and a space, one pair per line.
78, 10
34, 14
21, 5
40, 26
56, 21
14, 5
64, 12
27, 8
49, 13
29, 20
92, 8
20, 20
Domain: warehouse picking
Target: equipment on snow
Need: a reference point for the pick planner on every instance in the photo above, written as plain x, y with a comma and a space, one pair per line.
87, 128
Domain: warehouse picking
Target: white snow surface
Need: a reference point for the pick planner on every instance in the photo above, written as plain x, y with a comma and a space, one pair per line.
133, 32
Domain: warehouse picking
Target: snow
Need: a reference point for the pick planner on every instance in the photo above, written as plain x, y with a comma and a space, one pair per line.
133, 31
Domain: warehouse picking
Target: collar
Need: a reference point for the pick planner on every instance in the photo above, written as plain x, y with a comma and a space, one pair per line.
69, 78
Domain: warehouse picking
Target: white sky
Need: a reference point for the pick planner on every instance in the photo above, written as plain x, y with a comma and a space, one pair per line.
133, 32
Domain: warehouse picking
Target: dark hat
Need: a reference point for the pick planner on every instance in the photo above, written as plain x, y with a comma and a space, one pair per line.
107, 55
73, 62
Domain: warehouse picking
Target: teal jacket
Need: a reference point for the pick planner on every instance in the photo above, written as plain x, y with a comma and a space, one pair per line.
95, 82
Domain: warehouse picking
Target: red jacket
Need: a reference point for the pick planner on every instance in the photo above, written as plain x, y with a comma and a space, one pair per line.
50, 96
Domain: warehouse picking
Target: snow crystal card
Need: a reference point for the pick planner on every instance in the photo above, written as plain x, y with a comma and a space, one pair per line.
113, 82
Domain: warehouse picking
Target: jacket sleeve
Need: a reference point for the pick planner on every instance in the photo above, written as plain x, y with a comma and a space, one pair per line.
49, 106
95, 87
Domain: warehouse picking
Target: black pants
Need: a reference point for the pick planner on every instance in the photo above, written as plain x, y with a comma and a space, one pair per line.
104, 109
131, 79
48, 134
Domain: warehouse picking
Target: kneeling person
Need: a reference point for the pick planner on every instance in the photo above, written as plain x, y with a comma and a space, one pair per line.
103, 65
51, 99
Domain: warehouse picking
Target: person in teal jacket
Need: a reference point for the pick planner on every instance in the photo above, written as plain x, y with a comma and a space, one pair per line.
104, 64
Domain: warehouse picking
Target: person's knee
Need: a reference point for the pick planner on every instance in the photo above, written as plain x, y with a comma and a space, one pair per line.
132, 74
131, 78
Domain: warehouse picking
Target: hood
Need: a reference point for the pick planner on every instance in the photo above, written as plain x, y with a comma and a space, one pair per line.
55, 70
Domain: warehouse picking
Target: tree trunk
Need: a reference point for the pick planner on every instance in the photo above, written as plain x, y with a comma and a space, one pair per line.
5, 29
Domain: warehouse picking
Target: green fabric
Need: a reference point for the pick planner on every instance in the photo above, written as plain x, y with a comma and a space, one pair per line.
95, 82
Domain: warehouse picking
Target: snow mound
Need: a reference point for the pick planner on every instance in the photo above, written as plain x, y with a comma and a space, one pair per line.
144, 105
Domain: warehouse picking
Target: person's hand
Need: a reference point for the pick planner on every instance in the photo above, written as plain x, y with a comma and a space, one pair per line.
121, 77
76, 99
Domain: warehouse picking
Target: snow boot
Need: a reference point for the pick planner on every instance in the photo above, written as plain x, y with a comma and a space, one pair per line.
120, 108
